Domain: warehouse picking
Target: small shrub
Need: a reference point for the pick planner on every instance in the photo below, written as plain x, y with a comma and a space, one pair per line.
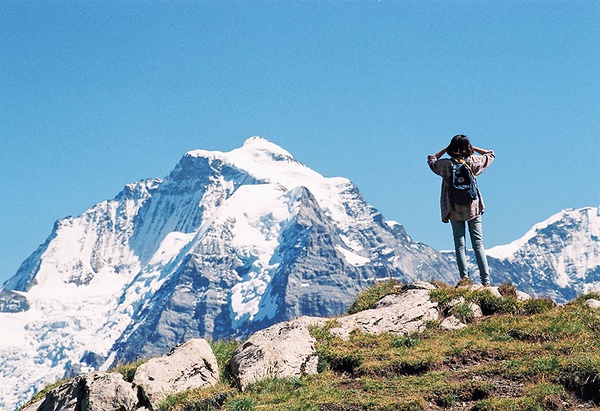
547, 365
443, 296
509, 404
447, 400
491, 304
439, 284
198, 399
507, 290
241, 403
463, 392
275, 385
407, 342
463, 312
431, 325
321, 332
128, 370
464, 282
550, 396
538, 306
366, 299
412, 405
530, 336
223, 351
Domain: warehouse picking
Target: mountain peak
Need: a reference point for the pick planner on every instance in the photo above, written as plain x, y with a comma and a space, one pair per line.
266, 161
261, 143
261, 150
590, 214
253, 147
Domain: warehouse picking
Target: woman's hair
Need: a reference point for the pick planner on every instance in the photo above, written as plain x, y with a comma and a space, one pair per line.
460, 146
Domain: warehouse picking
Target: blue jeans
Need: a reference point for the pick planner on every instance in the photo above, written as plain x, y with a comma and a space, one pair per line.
476, 232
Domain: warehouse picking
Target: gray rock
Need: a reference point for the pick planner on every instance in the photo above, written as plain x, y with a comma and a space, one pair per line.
452, 323
96, 391
13, 302
189, 365
283, 350
420, 285
32, 407
521, 296
477, 312
593, 303
397, 314
108, 391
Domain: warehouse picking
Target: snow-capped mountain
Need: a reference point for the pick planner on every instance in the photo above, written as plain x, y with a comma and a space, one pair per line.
226, 244
558, 258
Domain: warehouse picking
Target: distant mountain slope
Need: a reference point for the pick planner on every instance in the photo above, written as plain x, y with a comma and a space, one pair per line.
558, 258
226, 244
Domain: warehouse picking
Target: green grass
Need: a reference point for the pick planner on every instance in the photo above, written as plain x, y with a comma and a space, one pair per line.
42, 393
530, 355
128, 370
213, 398
223, 351
366, 299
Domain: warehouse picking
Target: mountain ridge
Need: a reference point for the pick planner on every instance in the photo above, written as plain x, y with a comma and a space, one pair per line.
560, 256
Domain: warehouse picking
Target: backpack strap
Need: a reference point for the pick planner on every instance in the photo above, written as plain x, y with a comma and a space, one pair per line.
469, 168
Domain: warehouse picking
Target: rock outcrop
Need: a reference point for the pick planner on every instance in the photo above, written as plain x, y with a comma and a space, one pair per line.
400, 314
96, 391
283, 350
190, 365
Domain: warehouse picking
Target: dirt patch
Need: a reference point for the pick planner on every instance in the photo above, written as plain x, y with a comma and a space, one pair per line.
471, 358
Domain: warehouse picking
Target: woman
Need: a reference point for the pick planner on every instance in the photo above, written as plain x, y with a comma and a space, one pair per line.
461, 149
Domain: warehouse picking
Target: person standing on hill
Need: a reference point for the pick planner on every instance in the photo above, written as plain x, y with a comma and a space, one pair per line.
459, 208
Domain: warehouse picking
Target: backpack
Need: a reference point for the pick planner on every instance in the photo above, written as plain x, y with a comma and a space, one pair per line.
463, 186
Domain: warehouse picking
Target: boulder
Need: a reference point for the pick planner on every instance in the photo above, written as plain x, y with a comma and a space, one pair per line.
477, 312
96, 391
593, 304
108, 391
452, 323
283, 350
400, 314
189, 365
521, 296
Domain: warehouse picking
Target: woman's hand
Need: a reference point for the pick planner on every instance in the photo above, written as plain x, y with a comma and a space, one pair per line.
440, 153
480, 150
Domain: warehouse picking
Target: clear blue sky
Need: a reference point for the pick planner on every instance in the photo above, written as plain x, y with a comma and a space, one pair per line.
97, 94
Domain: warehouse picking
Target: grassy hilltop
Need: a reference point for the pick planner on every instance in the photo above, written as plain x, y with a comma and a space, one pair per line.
531, 355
